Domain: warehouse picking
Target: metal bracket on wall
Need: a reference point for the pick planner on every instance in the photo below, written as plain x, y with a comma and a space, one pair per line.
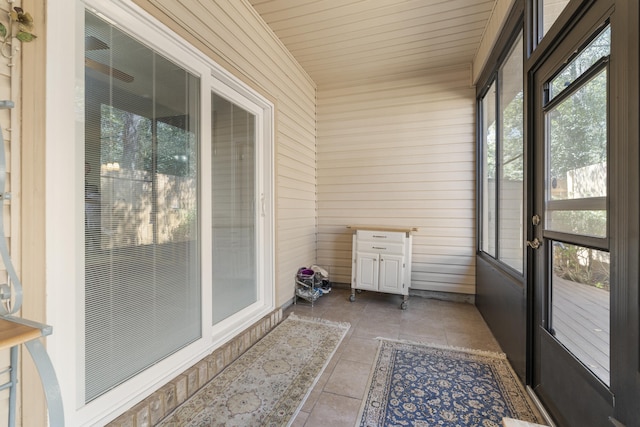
11, 295
10, 303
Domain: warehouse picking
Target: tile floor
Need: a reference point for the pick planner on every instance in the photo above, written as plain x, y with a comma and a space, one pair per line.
335, 400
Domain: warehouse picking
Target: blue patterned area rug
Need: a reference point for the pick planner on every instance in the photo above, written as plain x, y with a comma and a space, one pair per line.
268, 384
421, 385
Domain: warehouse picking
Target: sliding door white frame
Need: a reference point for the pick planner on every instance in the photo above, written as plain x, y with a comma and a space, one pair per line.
64, 214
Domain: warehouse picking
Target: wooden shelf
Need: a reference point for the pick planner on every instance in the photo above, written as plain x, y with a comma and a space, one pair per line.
12, 333
382, 228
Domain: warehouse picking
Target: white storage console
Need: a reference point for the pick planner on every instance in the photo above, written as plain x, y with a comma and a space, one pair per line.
381, 259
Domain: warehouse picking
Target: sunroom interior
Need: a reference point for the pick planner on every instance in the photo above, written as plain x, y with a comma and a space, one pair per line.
221, 145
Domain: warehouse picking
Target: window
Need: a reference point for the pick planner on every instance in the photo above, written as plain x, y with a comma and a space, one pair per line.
501, 107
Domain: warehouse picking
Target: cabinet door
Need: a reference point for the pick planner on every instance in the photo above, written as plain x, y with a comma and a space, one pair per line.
391, 274
367, 271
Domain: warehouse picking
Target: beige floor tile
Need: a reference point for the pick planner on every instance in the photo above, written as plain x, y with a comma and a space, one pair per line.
312, 399
426, 330
370, 328
479, 342
300, 419
349, 378
362, 350
334, 411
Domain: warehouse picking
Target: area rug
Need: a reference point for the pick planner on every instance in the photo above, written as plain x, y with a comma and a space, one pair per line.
269, 383
413, 384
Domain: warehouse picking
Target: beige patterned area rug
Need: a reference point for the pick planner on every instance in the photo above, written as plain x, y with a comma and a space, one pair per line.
267, 385
414, 384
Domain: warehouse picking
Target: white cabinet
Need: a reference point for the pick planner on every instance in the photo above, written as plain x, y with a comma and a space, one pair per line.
381, 262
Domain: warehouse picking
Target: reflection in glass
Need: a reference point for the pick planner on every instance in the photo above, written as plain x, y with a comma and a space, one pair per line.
489, 171
599, 48
577, 129
511, 168
551, 10
142, 281
585, 222
580, 305
233, 202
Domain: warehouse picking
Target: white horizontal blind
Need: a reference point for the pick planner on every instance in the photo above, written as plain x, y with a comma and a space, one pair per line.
142, 285
233, 170
232, 32
401, 153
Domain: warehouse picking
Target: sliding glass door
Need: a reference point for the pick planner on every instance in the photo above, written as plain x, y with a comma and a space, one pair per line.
233, 142
177, 234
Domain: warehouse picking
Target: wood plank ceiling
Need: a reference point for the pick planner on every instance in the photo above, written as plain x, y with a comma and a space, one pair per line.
341, 41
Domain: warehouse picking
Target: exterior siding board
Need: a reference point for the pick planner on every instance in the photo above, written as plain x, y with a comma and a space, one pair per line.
401, 153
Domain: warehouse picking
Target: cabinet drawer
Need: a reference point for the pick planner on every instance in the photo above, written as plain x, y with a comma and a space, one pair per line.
381, 236
380, 247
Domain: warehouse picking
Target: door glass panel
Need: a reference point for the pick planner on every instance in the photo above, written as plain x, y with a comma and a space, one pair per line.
580, 304
599, 48
511, 168
489, 170
233, 197
577, 179
142, 280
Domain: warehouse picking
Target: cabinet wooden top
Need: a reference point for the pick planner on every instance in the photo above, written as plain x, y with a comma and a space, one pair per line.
382, 228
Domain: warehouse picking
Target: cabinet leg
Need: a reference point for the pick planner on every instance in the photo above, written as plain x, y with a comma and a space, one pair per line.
352, 297
405, 302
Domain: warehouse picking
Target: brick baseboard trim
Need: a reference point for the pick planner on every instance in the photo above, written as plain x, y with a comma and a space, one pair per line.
162, 402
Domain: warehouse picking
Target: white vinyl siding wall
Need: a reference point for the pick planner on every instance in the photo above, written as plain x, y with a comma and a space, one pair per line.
233, 33
401, 153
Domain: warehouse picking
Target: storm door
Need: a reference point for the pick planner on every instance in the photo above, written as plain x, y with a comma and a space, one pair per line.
570, 240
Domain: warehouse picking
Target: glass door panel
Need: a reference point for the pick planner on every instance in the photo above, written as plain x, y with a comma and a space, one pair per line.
142, 267
576, 126
577, 181
235, 284
580, 309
